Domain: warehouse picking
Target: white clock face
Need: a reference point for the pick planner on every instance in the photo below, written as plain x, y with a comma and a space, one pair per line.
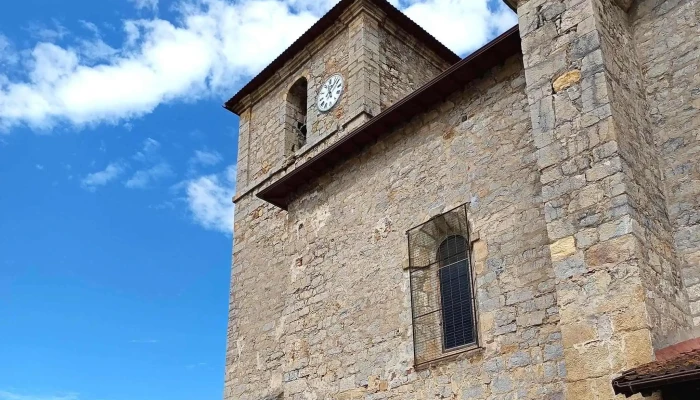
330, 93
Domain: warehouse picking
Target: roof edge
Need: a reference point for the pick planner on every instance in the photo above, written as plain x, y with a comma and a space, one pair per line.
653, 384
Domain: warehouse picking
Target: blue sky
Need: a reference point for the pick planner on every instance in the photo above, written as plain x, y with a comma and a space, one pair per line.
117, 166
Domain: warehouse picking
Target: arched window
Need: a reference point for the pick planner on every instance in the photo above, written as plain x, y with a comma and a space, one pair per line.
442, 292
295, 117
455, 293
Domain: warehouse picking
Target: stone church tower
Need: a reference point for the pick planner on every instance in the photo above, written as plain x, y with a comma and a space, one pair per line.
523, 223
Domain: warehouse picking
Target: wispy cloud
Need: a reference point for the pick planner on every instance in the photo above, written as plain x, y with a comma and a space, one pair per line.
90, 26
144, 341
8, 55
143, 178
166, 205
39, 167
206, 158
48, 33
148, 151
6, 395
155, 167
209, 200
149, 167
96, 179
206, 50
151, 5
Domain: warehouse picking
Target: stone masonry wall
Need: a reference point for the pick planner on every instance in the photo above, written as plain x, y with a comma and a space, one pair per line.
660, 267
667, 40
321, 307
403, 69
616, 271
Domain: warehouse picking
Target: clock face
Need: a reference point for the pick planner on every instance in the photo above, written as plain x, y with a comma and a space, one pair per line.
330, 93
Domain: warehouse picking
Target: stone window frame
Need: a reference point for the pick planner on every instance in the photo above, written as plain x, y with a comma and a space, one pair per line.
424, 261
296, 116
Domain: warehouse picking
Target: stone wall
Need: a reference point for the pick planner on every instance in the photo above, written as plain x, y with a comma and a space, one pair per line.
404, 68
322, 307
660, 267
667, 40
617, 273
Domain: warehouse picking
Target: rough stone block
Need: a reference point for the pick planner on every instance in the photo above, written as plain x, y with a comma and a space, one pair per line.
588, 361
638, 348
562, 248
578, 333
566, 80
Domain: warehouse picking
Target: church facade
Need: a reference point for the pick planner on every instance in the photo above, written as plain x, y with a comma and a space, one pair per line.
523, 223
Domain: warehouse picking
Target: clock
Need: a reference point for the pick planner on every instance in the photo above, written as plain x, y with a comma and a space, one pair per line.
330, 93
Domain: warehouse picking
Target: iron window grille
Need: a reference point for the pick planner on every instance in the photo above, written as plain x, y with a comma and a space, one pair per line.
442, 287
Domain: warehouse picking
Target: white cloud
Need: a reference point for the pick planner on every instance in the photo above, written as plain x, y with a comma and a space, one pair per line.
101, 178
209, 200
206, 158
461, 25
4, 395
143, 178
210, 48
39, 167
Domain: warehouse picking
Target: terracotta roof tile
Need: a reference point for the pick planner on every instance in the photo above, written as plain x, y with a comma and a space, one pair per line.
653, 376
676, 350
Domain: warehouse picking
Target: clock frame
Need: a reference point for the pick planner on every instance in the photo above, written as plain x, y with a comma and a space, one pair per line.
330, 93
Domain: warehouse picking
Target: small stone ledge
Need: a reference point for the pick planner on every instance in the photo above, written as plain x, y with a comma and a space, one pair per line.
290, 163
287, 165
471, 352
